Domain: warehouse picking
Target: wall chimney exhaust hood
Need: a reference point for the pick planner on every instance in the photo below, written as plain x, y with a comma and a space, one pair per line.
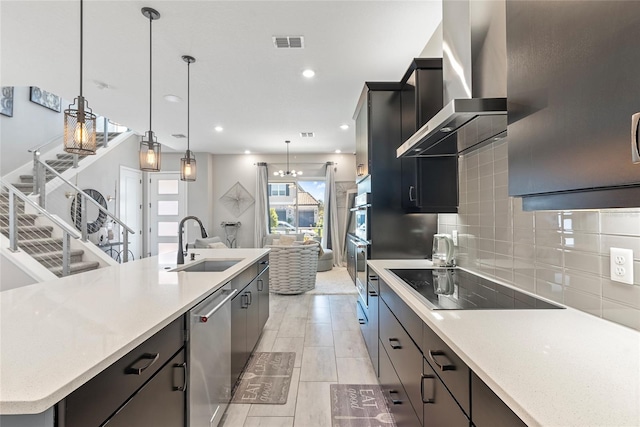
460, 125
474, 68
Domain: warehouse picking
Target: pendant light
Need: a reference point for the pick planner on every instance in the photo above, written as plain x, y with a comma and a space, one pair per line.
79, 120
293, 172
188, 162
149, 146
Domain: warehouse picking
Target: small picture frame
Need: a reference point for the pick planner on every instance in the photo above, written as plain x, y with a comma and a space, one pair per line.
6, 101
46, 99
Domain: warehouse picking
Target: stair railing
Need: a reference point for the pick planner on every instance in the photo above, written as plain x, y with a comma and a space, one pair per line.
67, 232
83, 199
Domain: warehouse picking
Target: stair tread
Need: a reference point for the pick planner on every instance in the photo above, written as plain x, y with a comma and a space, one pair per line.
43, 241
56, 254
76, 267
30, 228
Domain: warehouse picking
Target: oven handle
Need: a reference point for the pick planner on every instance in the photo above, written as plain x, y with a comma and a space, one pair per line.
357, 244
360, 208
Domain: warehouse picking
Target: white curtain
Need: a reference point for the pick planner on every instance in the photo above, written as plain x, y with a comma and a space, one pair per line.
261, 227
330, 233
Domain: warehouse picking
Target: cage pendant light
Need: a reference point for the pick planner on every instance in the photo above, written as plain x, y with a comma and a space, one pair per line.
288, 172
188, 162
79, 120
149, 146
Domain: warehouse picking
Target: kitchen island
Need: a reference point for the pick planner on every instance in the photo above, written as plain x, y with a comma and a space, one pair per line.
57, 335
550, 367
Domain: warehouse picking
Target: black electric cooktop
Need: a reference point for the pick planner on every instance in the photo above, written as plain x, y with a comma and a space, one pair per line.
454, 289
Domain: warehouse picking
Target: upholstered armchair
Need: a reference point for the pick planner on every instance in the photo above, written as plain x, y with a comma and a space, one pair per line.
292, 269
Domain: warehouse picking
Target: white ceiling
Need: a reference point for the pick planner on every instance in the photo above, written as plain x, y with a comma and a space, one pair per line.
240, 80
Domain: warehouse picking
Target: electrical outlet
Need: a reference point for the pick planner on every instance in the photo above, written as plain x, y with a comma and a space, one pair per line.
621, 265
454, 237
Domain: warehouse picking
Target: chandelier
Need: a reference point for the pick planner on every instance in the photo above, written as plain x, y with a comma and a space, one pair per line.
294, 173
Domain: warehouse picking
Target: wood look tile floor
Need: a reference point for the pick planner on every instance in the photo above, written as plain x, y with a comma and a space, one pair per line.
324, 332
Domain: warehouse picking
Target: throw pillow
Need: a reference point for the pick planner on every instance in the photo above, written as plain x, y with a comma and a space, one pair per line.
217, 245
275, 242
287, 240
203, 243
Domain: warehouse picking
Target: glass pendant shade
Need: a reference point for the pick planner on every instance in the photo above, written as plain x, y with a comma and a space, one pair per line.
150, 153
188, 167
79, 128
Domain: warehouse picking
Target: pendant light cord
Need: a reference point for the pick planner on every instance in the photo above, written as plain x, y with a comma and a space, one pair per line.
188, 105
81, 19
150, 75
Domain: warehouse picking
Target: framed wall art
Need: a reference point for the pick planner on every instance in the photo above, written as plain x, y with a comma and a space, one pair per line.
46, 99
6, 101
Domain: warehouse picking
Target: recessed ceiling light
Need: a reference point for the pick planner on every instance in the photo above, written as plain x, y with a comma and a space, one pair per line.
338, 151
344, 127
308, 73
247, 152
172, 98
219, 128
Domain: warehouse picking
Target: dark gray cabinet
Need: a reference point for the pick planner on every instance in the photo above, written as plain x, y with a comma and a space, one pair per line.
161, 402
488, 409
428, 184
440, 408
249, 313
396, 396
131, 383
572, 89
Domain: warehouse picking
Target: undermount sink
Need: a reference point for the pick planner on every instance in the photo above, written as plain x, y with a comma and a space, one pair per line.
209, 265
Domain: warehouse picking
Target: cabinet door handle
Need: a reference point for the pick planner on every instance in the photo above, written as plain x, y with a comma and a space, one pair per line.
635, 138
395, 346
442, 366
394, 401
362, 321
411, 197
260, 285
183, 387
432, 398
249, 299
373, 293
138, 370
244, 301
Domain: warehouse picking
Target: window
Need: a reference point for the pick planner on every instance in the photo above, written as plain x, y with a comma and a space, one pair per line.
297, 207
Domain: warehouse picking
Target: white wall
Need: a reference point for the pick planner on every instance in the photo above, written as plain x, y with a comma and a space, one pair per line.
11, 276
18, 133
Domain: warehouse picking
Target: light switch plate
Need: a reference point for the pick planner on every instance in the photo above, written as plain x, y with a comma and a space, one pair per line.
621, 265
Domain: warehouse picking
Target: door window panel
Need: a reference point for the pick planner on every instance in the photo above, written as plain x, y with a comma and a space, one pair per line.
168, 229
168, 186
168, 207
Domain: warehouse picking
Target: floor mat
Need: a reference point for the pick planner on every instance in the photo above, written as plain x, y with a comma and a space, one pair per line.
359, 405
266, 378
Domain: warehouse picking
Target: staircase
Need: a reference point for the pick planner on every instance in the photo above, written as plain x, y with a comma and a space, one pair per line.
36, 240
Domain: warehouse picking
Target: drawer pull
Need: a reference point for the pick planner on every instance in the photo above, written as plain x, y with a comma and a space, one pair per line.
250, 298
183, 387
433, 386
373, 293
362, 322
442, 366
137, 370
395, 346
260, 285
394, 401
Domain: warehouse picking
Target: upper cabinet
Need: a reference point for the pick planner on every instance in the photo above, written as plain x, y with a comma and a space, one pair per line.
428, 184
572, 89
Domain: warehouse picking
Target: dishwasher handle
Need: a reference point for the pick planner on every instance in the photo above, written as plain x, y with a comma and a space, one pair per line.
205, 317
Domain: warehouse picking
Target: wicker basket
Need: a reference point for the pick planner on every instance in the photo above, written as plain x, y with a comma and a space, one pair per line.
292, 269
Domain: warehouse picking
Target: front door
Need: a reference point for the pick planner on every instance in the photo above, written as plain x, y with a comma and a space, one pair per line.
167, 206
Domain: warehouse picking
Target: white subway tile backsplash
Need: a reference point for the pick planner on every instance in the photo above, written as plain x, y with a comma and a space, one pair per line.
583, 301
622, 314
584, 282
561, 255
621, 292
625, 223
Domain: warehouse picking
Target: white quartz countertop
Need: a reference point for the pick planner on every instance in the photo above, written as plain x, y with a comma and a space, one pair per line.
56, 335
551, 367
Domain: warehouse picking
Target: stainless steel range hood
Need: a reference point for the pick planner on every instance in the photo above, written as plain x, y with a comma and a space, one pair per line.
460, 125
474, 68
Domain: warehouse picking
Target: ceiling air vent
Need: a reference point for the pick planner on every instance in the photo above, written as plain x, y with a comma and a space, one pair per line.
306, 134
288, 42
178, 135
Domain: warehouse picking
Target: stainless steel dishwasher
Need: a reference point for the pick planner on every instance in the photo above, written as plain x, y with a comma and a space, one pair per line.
209, 348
